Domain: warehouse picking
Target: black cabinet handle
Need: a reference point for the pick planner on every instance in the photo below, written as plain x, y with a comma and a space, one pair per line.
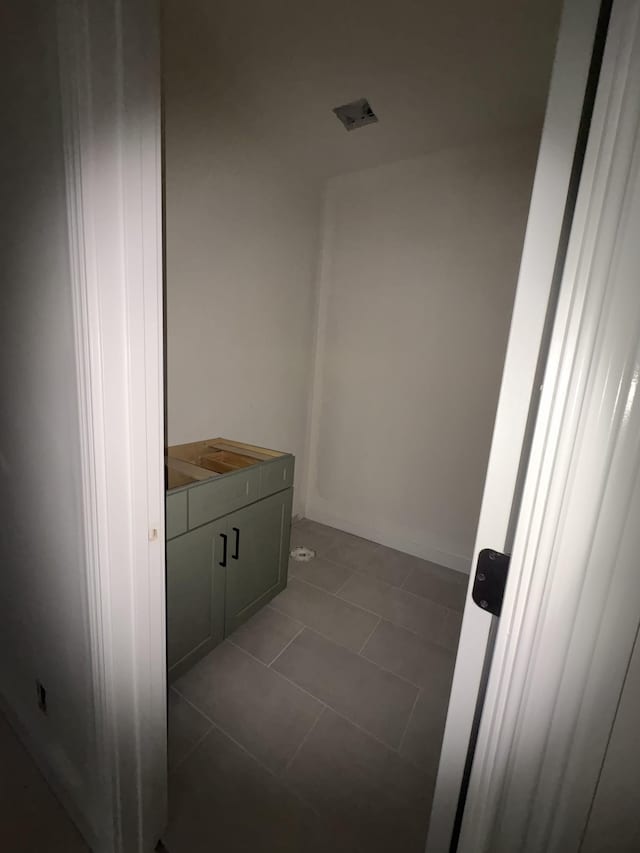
236, 553
223, 562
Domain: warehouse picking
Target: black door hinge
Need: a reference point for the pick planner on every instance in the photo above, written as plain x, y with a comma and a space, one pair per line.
490, 580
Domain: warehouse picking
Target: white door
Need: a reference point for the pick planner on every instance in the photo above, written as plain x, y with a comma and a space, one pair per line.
570, 618
614, 822
554, 191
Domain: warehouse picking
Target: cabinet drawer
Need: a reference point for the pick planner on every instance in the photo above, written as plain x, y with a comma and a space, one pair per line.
276, 475
176, 514
215, 498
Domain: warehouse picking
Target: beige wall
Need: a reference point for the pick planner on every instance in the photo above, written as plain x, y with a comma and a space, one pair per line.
419, 266
241, 246
395, 345
44, 633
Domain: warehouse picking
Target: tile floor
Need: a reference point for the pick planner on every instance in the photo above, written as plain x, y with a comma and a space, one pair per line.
317, 725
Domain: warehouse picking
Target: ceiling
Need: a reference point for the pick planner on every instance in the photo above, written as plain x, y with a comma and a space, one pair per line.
437, 74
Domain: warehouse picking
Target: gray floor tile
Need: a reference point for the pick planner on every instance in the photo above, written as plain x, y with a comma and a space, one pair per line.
220, 798
409, 611
451, 630
319, 537
266, 714
378, 800
340, 621
377, 700
386, 564
444, 586
186, 727
32, 819
320, 572
409, 656
266, 634
423, 739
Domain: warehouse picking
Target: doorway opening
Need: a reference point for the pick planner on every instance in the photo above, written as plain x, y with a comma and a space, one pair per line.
338, 292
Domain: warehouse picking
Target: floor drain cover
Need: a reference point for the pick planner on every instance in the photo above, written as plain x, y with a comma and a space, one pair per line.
302, 554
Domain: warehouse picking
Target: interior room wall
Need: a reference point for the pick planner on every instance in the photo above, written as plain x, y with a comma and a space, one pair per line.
419, 262
242, 231
44, 633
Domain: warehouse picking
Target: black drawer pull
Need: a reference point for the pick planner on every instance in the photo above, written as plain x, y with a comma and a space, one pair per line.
223, 562
236, 553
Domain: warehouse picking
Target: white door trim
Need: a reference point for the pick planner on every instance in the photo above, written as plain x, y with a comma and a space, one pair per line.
110, 83
572, 605
519, 390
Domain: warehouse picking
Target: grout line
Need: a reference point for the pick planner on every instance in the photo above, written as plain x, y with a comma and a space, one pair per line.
363, 646
280, 674
324, 706
342, 585
405, 579
304, 739
196, 744
278, 776
350, 651
190, 703
402, 589
287, 645
365, 574
340, 713
308, 693
362, 729
217, 726
455, 580
247, 653
296, 577
374, 613
353, 651
193, 705
409, 718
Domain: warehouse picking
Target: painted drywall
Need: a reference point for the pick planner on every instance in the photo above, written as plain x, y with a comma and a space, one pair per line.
241, 248
418, 273
43, 614
437, 74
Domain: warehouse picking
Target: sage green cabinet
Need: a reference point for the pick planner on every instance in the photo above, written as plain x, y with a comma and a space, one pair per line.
258, 556
228, 540
195, 596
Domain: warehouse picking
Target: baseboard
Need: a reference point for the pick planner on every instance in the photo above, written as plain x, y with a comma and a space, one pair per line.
457, 562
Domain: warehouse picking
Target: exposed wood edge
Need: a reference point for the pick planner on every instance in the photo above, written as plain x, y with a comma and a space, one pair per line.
189, 469
262, 454
250, 449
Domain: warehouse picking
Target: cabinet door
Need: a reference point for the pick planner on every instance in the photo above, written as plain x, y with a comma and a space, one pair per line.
195, 595
258, 556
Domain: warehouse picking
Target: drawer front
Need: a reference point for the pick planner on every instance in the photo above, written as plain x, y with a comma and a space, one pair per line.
176, 517
276, 475
215, 498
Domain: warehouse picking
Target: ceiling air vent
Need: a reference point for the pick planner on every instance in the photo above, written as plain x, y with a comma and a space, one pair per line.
356, 114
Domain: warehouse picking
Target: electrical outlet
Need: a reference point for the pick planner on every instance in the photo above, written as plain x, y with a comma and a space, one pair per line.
42, 696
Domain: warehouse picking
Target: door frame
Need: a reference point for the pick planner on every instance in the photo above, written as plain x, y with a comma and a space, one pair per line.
572, 602
550, 213
109, 66
110, 80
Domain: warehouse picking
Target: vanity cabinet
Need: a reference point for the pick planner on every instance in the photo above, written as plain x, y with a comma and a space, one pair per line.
195, 596
228, 535
257, 556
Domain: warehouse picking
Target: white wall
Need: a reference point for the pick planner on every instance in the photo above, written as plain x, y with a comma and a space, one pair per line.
43, 603
241, 250
419, 267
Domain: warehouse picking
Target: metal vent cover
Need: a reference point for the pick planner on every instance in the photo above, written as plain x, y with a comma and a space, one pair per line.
356, 114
